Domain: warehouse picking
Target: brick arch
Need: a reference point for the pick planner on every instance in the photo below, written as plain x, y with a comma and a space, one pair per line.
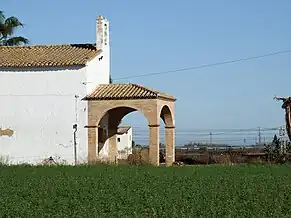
116, 110
118, 100
97, 109
166, 113
107, 127
117, 113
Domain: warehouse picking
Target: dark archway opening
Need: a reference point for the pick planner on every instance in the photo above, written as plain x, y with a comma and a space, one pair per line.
167, 121
117, 124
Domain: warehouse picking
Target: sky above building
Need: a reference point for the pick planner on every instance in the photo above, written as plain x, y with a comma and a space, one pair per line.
156, 36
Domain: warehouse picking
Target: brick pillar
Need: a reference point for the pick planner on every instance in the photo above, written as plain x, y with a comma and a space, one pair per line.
112, 144
170, 145
154, 153
92, 143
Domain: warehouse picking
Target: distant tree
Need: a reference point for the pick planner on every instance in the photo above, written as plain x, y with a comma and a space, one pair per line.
110, 80
7, 29
203, 149
277, 154
276, 144
134, 145
268, 149
229, 150
274, 151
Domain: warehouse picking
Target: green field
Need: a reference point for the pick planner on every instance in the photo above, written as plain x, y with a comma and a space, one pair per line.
130, 191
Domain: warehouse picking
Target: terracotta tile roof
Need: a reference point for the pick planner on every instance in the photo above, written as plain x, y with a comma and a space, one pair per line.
126, 91
47, 55
123, 129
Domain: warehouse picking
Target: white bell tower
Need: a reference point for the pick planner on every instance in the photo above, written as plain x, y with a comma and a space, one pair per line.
103, 43
102, 33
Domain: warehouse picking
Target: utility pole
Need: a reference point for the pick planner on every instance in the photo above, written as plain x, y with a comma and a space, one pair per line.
260, 136
75, 127
210, 138
75, 143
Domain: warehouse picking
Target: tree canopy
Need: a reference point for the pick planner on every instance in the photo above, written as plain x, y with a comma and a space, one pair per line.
7, 30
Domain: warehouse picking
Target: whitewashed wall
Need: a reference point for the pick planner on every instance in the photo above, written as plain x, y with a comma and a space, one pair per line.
39, 105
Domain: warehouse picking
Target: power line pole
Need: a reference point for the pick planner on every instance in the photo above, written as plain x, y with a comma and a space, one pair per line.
260, 136
210, 138
75, 143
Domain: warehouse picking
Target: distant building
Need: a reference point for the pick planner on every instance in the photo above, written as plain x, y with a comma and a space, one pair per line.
124, 141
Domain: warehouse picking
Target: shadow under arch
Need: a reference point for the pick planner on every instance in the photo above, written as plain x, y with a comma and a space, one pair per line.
167, 116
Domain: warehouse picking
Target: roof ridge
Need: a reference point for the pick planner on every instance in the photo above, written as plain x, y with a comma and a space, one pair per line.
47, 45
56, 55
146, 89
123, 91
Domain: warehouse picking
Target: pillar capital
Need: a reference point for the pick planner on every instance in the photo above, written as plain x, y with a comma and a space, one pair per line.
155, 125
169, 127
90, 127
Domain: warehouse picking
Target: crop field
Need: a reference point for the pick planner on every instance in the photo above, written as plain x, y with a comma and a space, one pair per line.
132, 191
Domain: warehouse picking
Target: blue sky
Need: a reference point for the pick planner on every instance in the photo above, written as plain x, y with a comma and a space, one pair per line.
153, 36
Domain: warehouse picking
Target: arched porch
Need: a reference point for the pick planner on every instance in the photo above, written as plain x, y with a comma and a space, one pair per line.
114, 101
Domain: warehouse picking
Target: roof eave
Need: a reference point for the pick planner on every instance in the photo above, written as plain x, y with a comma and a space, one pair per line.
41, 66
88, 98
122, 99
167, 98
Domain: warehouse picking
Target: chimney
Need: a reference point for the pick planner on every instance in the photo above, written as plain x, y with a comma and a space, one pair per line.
102, 33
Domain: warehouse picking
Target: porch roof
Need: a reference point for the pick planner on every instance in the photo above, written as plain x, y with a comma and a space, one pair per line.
126, 92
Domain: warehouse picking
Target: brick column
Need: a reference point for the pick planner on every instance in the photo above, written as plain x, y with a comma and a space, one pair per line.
112, 144
154, 152
170, 145
92, 143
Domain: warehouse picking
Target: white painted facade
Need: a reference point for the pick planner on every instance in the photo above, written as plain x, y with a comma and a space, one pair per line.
124, 142
41, 105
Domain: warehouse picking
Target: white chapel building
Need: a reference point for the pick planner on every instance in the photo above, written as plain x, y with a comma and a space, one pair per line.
41, 91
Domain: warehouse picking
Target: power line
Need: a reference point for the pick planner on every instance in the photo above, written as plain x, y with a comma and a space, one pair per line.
271, 134
206, 65
214, 141
209, 137
214, 131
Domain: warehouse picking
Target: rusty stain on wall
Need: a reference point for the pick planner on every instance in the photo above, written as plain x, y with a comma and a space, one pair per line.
6, 132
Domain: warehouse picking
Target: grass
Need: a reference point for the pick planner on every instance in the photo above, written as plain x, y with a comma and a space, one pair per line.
131, 191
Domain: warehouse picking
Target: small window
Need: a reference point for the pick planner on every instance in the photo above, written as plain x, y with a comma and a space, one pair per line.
118, 139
